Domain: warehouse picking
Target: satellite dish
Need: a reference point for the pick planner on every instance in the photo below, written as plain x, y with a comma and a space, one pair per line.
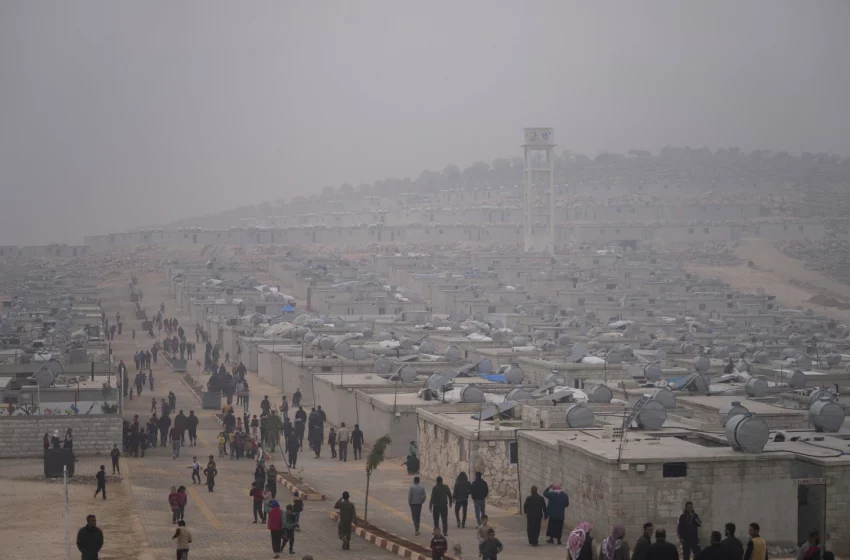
519, 341
484, 366
437, 322
339, 323
577, 353
45, 376
735, 409
497, 336
368, 333
453, 354
563, 340
407, 373
652, 371
666, 397
497, 324
326, 343
803, 362
518, 394
701, 363
439, 383
471, 394
427, 347
514, 374
342, 348
382, 366
385, 335
360, 354
555, 379
406, 343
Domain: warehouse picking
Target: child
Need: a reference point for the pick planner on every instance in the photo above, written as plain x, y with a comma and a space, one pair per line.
232, 445
491, 546
174, 503
184, 537
297, 508
332, 442
481, 532
221, 441
439, 545
196, 470
289, 528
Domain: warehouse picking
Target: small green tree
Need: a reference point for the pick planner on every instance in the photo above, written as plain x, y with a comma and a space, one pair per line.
373, 460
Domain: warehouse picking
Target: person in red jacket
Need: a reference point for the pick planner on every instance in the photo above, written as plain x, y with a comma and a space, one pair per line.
182, 500
174, 503
257, 494
275, 525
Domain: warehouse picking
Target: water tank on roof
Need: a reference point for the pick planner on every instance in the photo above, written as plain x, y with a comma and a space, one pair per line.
427, 347
599, 394
735, 409
471, 394
826, 415
580, 416
818, 394
614, 357
385, 335
540, 335
833, 359
555, 378
747, 433
652, 371
453, 354
518, 394
406, 343
761, 357
519, 341
756, 387
368, 333
788, 353
666, 397
701, 363
795, 379
652, 416
514, 374
803, 362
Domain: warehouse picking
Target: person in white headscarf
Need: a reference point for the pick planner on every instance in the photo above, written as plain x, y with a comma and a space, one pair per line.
55, 442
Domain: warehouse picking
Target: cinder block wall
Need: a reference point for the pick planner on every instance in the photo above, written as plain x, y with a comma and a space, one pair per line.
22, 436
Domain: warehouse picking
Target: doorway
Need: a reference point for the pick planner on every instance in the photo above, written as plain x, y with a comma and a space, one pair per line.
811, 511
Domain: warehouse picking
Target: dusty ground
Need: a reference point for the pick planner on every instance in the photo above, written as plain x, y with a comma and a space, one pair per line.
32, 521
780, 275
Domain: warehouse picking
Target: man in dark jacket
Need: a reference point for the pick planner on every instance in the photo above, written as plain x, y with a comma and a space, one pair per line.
661, 549
296, 398
732, 545
642, 545
357, 443
192, 425
441, 499
714, 551
534, 509
90, 539
688, 531
347, 515
479, 493
181, 424
556, 510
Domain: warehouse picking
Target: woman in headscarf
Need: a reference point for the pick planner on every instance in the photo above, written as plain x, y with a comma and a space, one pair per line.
580, 542
556, 507
614, 547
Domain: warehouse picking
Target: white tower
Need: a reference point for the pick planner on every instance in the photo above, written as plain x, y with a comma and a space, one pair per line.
539, 191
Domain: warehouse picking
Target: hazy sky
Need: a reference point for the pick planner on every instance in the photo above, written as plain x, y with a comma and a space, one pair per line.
115, 114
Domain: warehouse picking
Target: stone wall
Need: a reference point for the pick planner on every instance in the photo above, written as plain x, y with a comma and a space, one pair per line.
710, 417
22, 436
446, 453
756, 488
837, 512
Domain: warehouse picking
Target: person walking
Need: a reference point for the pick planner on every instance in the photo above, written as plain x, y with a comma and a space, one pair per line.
174, 504
292, 451
347, 514
661, 549
211, 473
461, 495
439, 545
296, 398
479, 493
290, 525
150, 379
534, 509
90, 539
297, 508
115, 454
255, 425
357, 442
342, 436
273, 427
182, 500
332, 442
688, 531
192, 425
614, 547
182, 539
271, 480
490, 547
175, 441
101, 482
196, 471
732, 546
756, 548
415, 498
275, 526
580, 542
438, 505
481, 531
643, 543
556, 510
256, 494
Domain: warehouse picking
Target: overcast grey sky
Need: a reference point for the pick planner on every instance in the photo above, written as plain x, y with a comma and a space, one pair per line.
115, 114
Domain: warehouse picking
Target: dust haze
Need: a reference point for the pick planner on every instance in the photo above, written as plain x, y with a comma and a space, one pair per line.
120, 115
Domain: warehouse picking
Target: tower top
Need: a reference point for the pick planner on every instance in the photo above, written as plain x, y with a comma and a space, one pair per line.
539, 137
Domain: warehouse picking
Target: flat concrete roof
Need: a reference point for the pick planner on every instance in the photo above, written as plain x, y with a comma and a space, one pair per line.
721, 402
358, 379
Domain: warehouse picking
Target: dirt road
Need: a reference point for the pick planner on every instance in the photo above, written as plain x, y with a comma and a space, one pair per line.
786, 278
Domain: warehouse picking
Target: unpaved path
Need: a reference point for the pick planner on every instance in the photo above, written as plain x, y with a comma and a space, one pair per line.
780, 275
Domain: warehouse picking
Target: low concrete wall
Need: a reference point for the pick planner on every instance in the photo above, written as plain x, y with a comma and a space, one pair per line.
22, 436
